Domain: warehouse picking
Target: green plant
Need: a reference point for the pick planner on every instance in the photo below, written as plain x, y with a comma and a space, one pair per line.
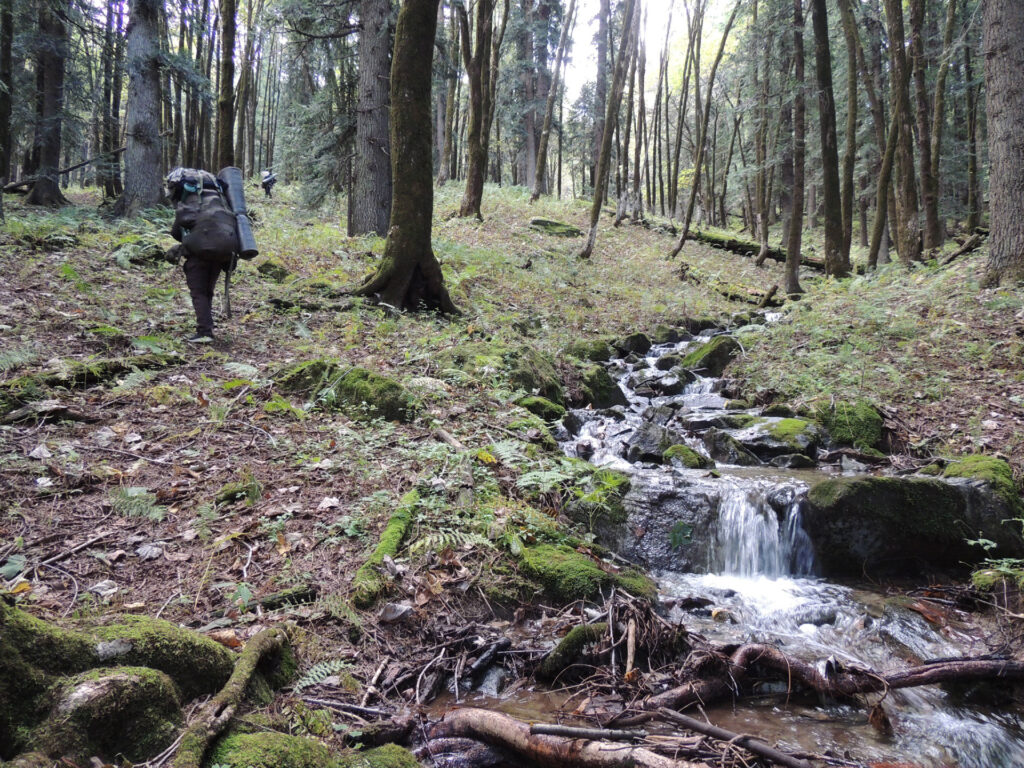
320, 672
136, 501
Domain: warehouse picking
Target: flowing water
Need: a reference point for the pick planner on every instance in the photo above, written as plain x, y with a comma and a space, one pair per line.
749, 566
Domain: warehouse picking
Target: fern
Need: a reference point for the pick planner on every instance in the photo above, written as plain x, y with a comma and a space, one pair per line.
448, 538
136, 502
509, 452
542, 480
242, 370
134, 381
320, 672
15, 358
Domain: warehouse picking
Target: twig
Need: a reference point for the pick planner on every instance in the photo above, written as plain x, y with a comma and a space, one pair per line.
65, 555
342, 706
750, 743
424, 672
371, 689
129, 453
630, 646
450, 439
592, 734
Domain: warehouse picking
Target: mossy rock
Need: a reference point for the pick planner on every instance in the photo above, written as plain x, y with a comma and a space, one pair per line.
555, 228
687, 457
569, 649
881, 525
598, 502
363, 394
542, 407
738, 405
857, 424
797, 434
369, 583
132, 712
727, 449
599, 389
534, 371
593, 350
386, 756
270, 750
713, 356
635, 343
666, 334
535, 428
307, 377
274, 270
568, 575
994, 472
779, 409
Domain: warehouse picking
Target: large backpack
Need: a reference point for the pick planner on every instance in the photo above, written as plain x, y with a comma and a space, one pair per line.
203, 220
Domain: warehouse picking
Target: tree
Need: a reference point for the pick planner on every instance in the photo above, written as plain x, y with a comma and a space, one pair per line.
371, 198
477, 61
601, 87
50, 58
409, 276
226, 97
6, 86
796, 225
143, 185
542, 151
611, 117
836, 262
1003, 31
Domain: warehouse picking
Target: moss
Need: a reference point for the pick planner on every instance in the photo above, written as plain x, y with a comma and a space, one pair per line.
739, 420
687, 457
542, 407
275, 270
363, 394
599, 388
988, 579
535, 428
988, 469
270, 750
197, 664
665, 334
387, 756
778, 409
599, 500
533, 371
555, 228
933, 470
740, 405
857, 424
713, 356
369, 584
593, 350
570, 648
307, 377
796, 433
129, 711
636, 343
568, 575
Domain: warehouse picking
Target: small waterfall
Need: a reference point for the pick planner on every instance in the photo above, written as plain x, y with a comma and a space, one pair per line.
751, 541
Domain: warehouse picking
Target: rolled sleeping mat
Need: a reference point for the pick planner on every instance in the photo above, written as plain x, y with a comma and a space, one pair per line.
231, 178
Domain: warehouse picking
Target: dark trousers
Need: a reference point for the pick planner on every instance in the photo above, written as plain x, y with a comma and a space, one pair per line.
201, 277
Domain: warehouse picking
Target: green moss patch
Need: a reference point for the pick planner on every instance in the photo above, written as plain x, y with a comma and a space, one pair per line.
307, 377
555, 228
599, 389
369, 583
988, 469
568, 575
686, 456
542, 407
594, 350
270, 750
712, 357
857, 424
798, 434
363, 394
570, 648
386, 756
274, 270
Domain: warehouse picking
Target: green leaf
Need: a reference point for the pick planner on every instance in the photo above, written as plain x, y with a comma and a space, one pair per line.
680, 534
15, 564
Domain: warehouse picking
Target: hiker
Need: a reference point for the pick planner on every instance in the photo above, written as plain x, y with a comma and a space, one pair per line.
206, 228
267, 181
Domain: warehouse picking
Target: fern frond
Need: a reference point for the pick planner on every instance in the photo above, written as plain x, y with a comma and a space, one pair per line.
437, 541
320, 672
15, 358
242, 370
510, 452
134, 381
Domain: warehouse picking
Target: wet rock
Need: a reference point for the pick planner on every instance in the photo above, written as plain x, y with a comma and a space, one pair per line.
818, 615
858, 424
793, 461
668, 386
685, 456
575, 419
768, 438
712, 358
907, 526
778, 409
541, 406
594, 350
658, 414
599, 389
724, 616
649, 443
665, 334
635, 343
668, 362
723, 447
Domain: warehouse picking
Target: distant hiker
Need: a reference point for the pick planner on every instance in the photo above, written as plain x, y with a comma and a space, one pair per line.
267, 181
212, 226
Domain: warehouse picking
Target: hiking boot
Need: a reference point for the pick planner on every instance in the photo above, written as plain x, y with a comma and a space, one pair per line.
201, 338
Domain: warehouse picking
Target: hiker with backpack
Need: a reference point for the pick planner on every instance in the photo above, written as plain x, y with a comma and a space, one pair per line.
211, 223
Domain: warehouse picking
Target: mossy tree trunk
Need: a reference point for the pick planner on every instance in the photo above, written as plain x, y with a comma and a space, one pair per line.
409, 276
478, 66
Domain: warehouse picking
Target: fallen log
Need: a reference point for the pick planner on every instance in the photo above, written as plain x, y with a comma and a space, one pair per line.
507, 733
972, 243
20, 187
761, 299
752, 250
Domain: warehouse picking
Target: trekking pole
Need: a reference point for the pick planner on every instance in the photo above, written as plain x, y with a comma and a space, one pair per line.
227, 285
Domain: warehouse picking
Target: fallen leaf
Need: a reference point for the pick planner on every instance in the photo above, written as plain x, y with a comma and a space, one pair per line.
393, 612
227, 637
177, 557
40, 452
283, 547
149, 552
104, 588
329, 502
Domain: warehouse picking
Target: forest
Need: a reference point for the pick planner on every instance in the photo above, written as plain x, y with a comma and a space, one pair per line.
585, 383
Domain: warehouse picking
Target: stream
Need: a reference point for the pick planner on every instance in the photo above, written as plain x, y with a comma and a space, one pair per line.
734, 564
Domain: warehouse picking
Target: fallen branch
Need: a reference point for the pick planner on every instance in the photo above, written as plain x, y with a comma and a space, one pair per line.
972, 243
507, 733
592, 734
731, 291
217, 713
749, 743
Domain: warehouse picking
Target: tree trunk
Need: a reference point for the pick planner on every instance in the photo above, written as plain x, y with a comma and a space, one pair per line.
939, 102
1003, 31
143, 180
610, 118
850, 151
451, 105
409, 276
478, 66
836, 262
908, 230
796, 226
934, 233
51, 57
600, 88
6, 86
973, 185
226, 94
371, 201
568, 22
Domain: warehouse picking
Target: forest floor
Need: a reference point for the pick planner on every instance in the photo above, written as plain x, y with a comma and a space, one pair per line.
125, 503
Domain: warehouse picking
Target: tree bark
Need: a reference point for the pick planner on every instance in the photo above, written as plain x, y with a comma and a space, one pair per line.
451, 105
796, 226
568, 22
143, 179
50, 62
409, 276
226, 95
934, 233
6, 86
610, 118
478, 66
973, 185
850, 150
600, 88
837, 263
371, 200
1003, 31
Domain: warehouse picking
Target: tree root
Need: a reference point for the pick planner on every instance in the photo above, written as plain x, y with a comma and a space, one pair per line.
506, 733
217, 713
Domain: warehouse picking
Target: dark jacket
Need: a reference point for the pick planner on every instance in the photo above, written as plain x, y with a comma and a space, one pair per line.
206, 227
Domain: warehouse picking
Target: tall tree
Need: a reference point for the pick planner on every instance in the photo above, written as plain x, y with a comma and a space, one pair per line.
143, 186
477, 61
51, 56
934, 234
226, 96
630, 18
568, 21
600, 88
371, 199
6, 85
796, 225
451, 105
1003, 31
836, 262
409, 276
